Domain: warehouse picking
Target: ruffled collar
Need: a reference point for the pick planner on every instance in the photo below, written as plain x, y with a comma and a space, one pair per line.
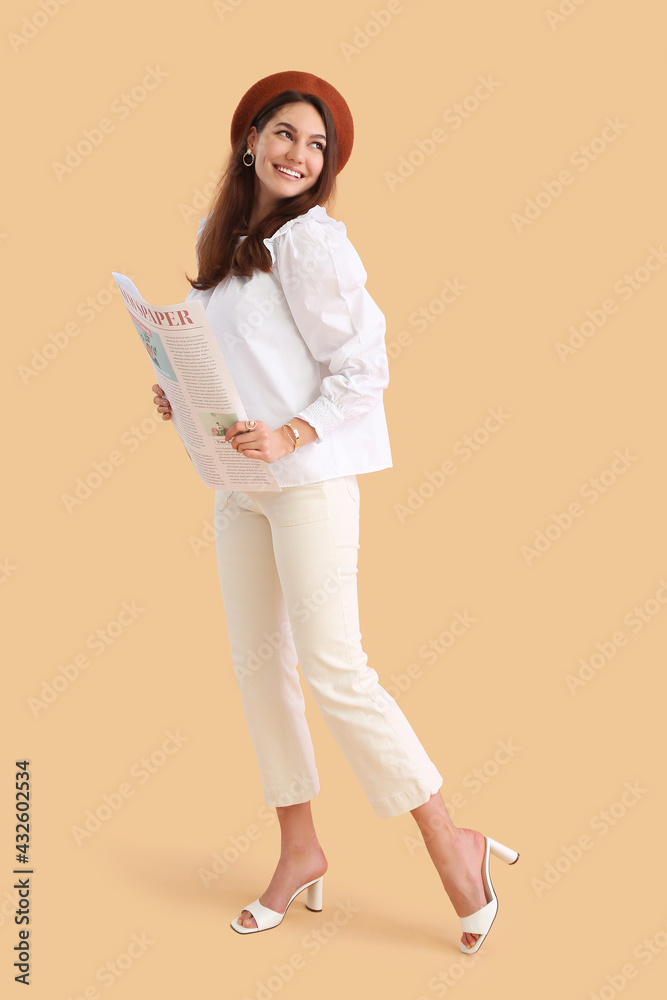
317, 212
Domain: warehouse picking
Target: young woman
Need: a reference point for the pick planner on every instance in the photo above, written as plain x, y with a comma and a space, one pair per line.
284, 290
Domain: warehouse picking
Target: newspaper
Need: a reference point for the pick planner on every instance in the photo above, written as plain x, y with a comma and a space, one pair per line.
191, 370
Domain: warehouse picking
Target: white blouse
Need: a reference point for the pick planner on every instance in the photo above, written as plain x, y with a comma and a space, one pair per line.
307, 340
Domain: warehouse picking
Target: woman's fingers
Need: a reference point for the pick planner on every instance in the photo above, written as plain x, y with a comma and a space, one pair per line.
254, 440
162, 403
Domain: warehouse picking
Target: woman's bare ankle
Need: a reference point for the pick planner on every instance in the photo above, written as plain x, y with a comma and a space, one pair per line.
300, 855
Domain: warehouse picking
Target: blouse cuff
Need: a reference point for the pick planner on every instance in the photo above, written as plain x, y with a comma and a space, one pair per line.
322, 415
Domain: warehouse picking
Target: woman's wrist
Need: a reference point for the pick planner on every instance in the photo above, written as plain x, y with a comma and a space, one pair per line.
292, 434
306, 433
286, 436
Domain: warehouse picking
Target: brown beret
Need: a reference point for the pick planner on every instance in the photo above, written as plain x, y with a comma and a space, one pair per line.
307, 83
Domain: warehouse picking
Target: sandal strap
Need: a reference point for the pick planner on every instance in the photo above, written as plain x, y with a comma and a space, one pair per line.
479, 921
264, 917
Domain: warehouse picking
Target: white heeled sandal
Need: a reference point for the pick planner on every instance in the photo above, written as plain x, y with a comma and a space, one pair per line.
480, 921
266, 918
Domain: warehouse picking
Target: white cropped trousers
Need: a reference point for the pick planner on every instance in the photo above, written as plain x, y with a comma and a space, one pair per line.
288, 572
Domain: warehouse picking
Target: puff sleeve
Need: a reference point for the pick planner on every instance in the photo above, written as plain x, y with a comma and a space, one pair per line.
323, 280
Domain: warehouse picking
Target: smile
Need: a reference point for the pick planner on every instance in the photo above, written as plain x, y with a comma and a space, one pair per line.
288, 172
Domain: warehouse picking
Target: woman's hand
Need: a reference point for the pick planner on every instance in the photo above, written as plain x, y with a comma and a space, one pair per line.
163, 404
260, 442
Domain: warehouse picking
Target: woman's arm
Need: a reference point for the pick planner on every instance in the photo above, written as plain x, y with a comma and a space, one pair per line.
323, 280
269, 445
262, 442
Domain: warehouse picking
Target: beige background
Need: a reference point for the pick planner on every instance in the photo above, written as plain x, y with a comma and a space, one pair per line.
133, 205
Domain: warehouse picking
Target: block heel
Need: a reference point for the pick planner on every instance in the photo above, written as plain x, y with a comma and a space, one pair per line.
480, 921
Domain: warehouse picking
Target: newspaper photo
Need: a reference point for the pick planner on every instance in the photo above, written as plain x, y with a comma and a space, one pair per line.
191, 370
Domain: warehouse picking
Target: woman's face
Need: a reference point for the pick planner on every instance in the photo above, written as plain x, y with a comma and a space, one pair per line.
291, 143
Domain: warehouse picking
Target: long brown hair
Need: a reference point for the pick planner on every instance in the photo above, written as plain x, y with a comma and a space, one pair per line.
217, 252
